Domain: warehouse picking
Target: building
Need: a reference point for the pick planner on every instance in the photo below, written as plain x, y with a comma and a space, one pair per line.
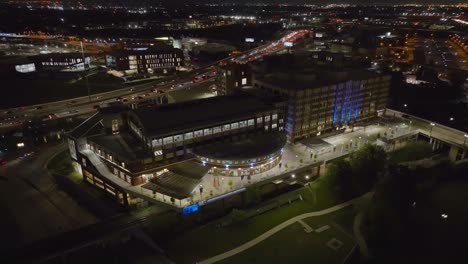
230, 78
61, 62
321, 100
145, 60
167, 150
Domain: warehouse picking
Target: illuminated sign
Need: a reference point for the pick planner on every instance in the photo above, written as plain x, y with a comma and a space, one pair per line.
190, 209
287, 44
249, 40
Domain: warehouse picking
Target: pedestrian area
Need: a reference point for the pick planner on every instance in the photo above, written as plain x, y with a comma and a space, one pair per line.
190, 183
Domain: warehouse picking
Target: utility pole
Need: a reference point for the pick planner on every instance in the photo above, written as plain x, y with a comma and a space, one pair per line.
84, 70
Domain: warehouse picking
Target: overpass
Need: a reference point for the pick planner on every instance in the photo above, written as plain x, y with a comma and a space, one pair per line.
438, 134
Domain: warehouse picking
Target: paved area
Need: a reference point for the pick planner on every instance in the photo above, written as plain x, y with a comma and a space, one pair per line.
32, 205
274, 230
361, 242
295, 156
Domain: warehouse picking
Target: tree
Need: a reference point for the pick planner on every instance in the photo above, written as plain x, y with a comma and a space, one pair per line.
367, 163
339, 176
230, 183
388, 214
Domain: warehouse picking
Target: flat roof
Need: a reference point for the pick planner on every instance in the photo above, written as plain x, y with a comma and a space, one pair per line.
161, 120
179, 181
254, 146
299, 81
153, 50
125, 145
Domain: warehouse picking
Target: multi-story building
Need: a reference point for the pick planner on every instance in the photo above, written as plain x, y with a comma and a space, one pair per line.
61, 61
123, 150
230, 78
322, 101
145, 60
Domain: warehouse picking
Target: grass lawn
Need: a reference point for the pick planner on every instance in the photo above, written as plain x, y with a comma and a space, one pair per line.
62, 164
294, 245
412, 151
42, 90
207, 241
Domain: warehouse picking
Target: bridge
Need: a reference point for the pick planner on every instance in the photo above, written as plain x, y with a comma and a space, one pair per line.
438, 134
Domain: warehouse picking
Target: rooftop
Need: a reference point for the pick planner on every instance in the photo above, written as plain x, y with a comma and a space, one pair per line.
248, 148
312, 79
179, 181
124, 144
198, 113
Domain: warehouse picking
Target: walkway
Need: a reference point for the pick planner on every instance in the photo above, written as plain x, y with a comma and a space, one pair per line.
275, 230
358, 235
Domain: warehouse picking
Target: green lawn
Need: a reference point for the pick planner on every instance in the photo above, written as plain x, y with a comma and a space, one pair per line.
207, 241
294, 245
43, 89
62, 164
412, 151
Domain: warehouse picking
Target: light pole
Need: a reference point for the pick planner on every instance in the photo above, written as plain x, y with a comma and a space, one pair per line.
432, 126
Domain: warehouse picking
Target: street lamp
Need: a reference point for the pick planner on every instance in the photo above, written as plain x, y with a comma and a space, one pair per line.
432, 126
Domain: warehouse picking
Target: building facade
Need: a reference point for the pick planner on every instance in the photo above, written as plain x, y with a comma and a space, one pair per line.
230, 78
145, 60
316, 107
120, 149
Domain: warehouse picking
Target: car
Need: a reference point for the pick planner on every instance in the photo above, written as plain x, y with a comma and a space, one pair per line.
39, 107
119, 99
125, 100
95, 107
3, 162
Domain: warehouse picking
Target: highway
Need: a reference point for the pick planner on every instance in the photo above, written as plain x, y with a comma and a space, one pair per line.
83, 105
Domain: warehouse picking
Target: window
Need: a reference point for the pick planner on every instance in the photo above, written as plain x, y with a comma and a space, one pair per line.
266, 128
274, 116
167, 140
156, 142
244, 81
243, 123
115, 126
217, 129
199, 133
227, 127
251, 122
207, 131
178, 138
267, 118
259, 120
234, 125
273, 126
188, 135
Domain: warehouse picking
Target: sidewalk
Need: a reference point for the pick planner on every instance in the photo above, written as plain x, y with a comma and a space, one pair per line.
275, 230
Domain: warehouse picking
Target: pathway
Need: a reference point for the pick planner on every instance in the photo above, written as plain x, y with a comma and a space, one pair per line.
275, 230
359, 238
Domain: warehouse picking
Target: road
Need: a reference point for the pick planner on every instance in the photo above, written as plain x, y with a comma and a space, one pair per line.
82, 105
32, 206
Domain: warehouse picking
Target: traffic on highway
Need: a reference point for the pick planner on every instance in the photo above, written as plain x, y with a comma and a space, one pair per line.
78, 106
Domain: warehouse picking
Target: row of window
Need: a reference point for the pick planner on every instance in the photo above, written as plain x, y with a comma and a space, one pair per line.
213, 130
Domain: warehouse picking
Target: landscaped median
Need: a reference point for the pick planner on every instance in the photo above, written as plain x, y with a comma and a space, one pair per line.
211, 240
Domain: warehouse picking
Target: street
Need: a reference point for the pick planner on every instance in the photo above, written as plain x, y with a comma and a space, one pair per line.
32, 206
